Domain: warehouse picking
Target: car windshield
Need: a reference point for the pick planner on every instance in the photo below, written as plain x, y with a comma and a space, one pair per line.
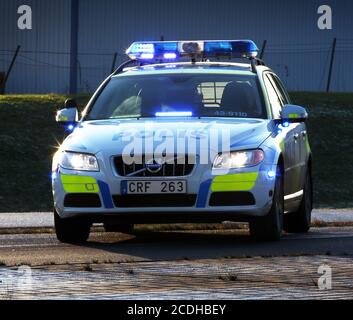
201, 95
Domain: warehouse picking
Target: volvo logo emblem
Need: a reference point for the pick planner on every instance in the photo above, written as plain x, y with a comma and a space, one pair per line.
153, 167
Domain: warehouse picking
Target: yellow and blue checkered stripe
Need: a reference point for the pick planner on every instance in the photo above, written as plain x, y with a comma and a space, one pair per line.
85, 184
226, 183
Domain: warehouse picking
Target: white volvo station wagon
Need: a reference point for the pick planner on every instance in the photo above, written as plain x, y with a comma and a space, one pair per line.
183, 132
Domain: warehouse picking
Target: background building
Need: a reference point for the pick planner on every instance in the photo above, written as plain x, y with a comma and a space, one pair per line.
296, 48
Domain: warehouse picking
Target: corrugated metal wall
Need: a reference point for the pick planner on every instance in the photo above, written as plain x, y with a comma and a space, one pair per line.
42, 65
296, 49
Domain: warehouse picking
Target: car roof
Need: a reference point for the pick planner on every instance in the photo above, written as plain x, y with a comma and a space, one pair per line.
188, 67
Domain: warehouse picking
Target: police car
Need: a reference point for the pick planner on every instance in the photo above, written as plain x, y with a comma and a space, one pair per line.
185, 132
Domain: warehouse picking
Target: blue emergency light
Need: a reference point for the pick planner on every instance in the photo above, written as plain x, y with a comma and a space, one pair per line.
174, 114
173, 50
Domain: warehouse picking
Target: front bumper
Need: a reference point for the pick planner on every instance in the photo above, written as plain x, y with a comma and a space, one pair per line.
202, 184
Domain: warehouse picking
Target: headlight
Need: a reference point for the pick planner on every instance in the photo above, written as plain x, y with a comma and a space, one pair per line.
78, 161
238, 159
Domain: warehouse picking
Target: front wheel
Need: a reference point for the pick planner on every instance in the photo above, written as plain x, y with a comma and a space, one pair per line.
300, 221
71, 230
269, 228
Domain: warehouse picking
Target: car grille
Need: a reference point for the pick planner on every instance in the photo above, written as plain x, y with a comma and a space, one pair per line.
147, 170
230, 199
82, 200
154, 201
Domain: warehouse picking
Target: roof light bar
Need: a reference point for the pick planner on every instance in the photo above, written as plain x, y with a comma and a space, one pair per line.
172, 50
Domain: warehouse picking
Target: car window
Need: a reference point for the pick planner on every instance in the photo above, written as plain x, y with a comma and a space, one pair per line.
275, 100
280, 89
205, 95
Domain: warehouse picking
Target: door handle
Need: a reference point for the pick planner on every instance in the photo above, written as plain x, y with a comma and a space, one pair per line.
296, 136
304, 134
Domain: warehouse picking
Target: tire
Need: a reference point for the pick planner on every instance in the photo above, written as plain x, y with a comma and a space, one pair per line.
269, 228
71, 230
121, 228
300, 221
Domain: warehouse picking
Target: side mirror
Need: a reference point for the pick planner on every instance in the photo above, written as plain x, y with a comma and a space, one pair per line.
293, 114
69, 115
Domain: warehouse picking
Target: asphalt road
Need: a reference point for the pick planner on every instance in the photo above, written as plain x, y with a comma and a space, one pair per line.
198, 265
44, 249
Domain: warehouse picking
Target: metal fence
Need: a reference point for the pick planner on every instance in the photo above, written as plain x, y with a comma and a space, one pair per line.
322, 66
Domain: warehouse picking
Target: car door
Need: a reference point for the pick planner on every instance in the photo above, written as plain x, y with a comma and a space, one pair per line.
300, 136
290, 145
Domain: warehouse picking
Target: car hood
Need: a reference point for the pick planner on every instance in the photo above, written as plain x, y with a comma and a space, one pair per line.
112, 136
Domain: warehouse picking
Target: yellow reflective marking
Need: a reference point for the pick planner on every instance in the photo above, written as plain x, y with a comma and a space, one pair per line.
235, 182
79, 184
224, 187
77, 179
238, 177
293, 116
307, 146
282, 145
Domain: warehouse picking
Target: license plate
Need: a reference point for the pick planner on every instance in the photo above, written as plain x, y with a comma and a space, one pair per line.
154, 187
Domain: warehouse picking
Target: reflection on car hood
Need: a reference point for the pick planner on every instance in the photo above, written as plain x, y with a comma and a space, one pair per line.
112, 136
